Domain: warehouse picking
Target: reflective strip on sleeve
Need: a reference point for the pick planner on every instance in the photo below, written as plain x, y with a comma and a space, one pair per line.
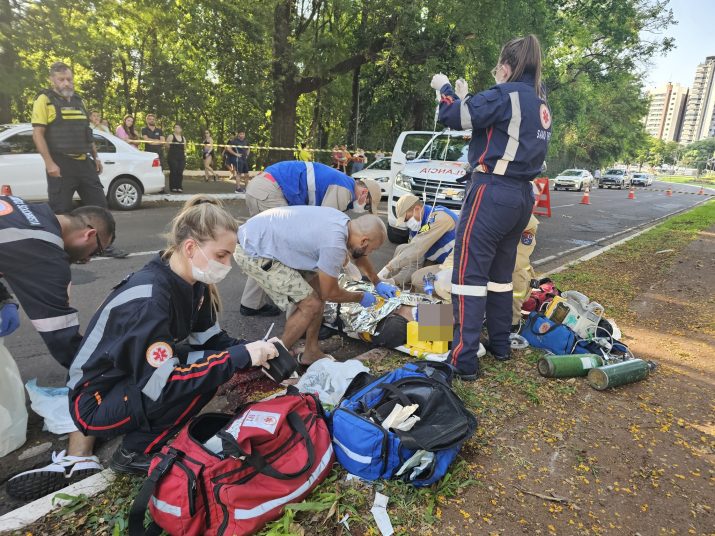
15, 235
500, 287
464, 115
352, 454
201, 337
261, 509
469, 290
310, 180
165, 507
449, 246
158, 379
513, 144
56, 323
94, 337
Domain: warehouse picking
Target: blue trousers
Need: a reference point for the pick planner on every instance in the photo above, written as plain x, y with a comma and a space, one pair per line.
495, 212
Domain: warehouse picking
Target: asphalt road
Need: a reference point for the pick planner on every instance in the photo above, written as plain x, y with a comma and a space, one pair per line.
573, 230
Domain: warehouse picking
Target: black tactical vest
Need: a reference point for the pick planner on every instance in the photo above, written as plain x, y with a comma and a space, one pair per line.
70, 132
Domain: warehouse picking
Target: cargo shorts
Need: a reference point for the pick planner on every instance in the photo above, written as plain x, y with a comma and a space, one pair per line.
283, 284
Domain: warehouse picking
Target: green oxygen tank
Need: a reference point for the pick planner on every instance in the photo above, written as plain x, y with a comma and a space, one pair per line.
631, 371
568, 366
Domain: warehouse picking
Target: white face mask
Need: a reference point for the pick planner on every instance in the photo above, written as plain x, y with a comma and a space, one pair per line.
413, 224
359, 208
212, 274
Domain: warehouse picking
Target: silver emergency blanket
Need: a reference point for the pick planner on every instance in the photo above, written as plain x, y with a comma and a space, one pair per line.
359, 319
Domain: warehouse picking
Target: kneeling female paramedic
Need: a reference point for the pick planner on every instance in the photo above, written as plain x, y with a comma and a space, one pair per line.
511, 127
154, 353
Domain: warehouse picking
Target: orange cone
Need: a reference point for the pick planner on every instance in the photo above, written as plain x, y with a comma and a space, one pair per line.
586, 200
631, 194
669, 192
6, 190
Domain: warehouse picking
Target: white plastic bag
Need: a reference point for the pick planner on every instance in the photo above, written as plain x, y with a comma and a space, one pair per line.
329, 379
13, 414
52, 404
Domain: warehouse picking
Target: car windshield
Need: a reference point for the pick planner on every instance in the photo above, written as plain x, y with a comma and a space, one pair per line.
639, 175
572, 172
449, 148
383, 164
614, 172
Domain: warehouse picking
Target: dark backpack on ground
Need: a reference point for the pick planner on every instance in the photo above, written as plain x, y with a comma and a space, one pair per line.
369, 451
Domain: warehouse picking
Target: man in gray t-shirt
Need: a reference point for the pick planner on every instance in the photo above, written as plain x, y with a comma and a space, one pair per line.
295, 254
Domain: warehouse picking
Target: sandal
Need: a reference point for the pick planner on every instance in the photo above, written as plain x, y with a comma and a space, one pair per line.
299, 359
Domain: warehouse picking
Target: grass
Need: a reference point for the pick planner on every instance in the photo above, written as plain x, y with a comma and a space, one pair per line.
506, 391
703, 180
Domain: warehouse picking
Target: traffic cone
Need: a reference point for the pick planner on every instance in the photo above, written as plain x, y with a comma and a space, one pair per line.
669, 192
702, 191
586, 200
631, 194
6, 190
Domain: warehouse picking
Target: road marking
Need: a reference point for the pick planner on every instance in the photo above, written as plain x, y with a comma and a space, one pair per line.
562, 206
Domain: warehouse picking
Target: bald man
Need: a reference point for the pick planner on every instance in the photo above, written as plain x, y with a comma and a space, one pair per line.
295, 254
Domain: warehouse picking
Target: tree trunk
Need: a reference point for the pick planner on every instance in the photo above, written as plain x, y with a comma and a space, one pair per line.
8, 58
353, 123
283, 120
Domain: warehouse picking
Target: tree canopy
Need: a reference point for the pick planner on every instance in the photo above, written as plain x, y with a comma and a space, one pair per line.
334, 71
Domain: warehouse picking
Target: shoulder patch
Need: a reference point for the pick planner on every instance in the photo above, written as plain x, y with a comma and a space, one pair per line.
545, 116
527, 237
158, 352
5, 208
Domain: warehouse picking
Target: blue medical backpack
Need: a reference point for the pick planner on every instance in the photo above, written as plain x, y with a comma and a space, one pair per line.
366, 449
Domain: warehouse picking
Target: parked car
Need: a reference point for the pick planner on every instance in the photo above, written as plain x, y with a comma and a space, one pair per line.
642, 179
128, 173
379, 171
615, 178
573, 179
428, 165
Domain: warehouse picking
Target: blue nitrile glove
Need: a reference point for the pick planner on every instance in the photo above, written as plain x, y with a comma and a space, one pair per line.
368, 300
9, 319
386, 290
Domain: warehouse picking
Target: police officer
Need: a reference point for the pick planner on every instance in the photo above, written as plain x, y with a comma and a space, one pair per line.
63, 137
154, 353
292, 183
511, 125
37, 249
431, 239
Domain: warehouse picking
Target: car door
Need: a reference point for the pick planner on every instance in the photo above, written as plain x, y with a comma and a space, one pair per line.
107, 153
22, 167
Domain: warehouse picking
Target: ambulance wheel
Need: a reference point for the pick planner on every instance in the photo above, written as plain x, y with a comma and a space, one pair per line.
125, 194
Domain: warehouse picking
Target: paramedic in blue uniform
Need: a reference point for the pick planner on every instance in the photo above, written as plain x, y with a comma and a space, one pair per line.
36, 250
431, 239
154, 353
299, 183
511, 127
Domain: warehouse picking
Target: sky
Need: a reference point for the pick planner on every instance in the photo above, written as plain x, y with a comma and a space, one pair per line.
694, 40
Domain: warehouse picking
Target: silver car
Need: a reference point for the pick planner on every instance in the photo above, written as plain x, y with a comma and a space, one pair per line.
573, 179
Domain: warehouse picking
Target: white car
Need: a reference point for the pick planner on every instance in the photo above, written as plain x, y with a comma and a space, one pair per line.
573, 179
642, 179
428, 165
379, 171
128, 173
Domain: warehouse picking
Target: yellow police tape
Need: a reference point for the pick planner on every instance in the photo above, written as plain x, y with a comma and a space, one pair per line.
241, 147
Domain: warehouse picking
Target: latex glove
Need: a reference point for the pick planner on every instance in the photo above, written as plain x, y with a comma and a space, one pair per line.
438, 81
261, 352
9, 319
461, 88
384, 273
368, 300
386, 290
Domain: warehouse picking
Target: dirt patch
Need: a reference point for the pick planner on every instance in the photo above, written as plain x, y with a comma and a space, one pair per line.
634, 460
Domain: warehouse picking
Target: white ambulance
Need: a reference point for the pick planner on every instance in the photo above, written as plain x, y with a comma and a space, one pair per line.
428, 165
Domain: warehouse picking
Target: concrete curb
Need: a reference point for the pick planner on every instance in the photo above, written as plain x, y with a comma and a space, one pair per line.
31, 512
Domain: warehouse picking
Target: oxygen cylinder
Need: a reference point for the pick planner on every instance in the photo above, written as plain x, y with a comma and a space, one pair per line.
631, 371
568, 366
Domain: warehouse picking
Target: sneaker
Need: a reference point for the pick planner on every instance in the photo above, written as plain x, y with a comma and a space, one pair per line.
114, 252
500, 356
240, 190
63, 471
127, 461
267, 310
